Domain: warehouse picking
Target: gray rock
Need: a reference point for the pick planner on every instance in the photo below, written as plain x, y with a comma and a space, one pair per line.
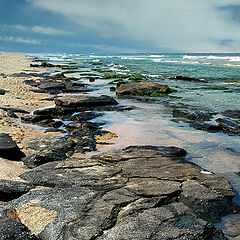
42, 157
31, 82
192, 114
173, 221
84, 101
35, 118
85, 116
152, 187
137, 88
136, 193
208, 205
11, 229
58, 143
54, 112
8, 148
232, 113
13, 189
69, 173
103, 215
209, 127
48, 149
229, 125
46, 212
41, 120
52, 86
188, 79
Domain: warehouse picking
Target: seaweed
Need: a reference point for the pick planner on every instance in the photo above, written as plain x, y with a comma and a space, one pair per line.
156, 93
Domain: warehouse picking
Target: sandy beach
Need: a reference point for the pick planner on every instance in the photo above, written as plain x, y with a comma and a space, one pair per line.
18, 95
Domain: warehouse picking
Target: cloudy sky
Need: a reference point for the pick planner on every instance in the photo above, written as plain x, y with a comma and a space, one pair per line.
110, 26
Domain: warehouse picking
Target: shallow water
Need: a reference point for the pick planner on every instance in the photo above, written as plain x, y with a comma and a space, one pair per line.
151, 122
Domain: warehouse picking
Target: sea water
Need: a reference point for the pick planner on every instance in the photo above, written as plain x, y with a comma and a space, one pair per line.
151, 121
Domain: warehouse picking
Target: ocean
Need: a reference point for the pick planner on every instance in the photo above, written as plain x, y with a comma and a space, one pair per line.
215, 90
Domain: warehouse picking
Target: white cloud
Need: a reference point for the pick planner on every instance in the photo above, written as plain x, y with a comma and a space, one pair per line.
22, 40
18, 27
40, 29
182, 25
49, 30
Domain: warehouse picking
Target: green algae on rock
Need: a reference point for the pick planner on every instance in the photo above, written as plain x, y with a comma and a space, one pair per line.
143, 88
133, 77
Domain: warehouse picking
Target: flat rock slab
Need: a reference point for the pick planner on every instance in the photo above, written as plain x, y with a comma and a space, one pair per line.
135, 193
137, 88
84, 101
8, 148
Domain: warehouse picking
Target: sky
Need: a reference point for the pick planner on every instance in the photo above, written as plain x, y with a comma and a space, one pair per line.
119, 26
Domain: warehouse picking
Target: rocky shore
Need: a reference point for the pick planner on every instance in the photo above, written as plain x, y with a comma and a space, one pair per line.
51, 190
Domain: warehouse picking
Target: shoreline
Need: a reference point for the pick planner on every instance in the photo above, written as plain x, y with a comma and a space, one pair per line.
19, 95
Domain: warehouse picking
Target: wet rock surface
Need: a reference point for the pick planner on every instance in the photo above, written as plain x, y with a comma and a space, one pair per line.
188, 79
204, 120
229, 125
232, 114
135, 193
192, 114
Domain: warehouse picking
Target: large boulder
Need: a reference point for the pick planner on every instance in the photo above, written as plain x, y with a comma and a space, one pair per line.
84, 101
8, 148
143, 88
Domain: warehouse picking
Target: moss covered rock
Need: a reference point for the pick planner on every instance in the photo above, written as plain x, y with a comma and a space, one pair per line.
134, 77
143, 88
